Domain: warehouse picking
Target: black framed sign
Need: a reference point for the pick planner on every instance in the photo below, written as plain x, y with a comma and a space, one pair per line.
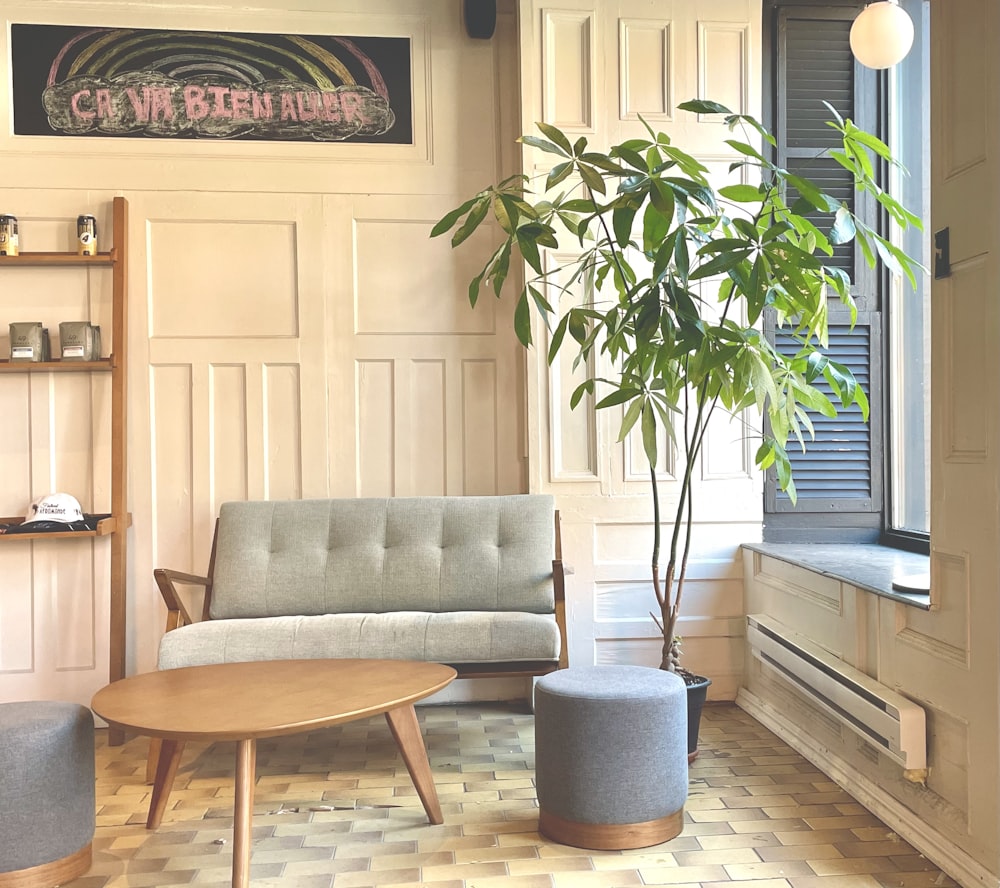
142, 83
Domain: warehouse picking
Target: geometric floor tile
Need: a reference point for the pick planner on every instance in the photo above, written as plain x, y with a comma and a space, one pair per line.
335, 808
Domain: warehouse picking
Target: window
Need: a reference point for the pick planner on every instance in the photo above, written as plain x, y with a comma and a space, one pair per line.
909, 334
857, 481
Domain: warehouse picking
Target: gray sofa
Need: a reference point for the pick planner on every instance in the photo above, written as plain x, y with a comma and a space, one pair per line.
473, 582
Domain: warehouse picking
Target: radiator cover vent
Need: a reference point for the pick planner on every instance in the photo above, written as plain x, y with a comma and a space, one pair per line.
883, 718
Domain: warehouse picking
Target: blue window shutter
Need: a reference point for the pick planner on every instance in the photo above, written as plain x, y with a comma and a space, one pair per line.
838, 478
835, 473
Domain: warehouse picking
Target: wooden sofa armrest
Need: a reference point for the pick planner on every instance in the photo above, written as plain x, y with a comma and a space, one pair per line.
177, 612
177, 615
559, 571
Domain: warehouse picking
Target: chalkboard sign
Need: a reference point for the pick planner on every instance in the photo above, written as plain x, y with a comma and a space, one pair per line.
141, 83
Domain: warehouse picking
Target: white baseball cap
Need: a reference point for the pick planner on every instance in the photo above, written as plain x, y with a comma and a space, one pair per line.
59, 507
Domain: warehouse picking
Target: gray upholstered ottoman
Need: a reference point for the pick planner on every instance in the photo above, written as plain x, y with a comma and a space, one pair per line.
46, 793
611, 756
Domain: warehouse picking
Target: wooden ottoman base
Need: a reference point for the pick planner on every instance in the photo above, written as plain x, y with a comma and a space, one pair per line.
55, 872
610, 836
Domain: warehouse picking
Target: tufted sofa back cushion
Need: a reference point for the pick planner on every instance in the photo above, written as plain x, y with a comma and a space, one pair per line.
333, 556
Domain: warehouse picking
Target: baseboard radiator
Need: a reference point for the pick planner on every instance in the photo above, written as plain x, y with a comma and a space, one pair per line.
887, 720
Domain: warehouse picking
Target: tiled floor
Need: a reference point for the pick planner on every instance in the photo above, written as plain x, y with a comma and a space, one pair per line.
336, 808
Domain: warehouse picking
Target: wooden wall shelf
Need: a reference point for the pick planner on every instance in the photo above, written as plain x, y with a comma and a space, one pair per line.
36, 259
55, 366
117, 524
105, 527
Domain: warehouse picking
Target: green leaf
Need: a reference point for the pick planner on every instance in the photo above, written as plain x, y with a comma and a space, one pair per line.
719, 264
556, 135
873, 142
681, 258
775, 231
631, 157
557, 337
655, 227
603, 162
701, 193
578, 325
474, 285
702, 106
764, 457
502, 214
541, 303
501, 267
843, 227
621, 220
748, 150
522, 320
811, 193
723, 245
558, 173
545, 145
451, 218
619, 396
472, 222
629, 419
662, 197
741, 193
592, 178
649, 443
584, 388
529, 250
887, 255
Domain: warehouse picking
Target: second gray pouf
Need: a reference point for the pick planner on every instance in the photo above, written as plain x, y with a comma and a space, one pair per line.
611, 756
47, 809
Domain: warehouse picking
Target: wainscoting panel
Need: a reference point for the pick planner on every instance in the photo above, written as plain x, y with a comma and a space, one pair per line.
202, 295
645, 49
962, 300
569, 68
724, 64
573, 431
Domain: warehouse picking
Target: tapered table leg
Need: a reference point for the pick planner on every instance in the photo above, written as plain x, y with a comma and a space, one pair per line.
166, 770
405, 728
246, 767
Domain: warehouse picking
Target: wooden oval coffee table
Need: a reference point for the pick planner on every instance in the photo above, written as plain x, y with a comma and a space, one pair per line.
247, 701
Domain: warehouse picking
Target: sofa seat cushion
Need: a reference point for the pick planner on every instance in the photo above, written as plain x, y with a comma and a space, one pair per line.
458, 637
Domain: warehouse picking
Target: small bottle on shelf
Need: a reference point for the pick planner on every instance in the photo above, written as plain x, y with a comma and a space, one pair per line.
86, 235
8, 235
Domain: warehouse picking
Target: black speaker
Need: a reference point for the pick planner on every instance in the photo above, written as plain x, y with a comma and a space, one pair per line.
480, 18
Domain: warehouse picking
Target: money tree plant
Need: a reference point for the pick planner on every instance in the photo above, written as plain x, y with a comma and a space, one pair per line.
678, 273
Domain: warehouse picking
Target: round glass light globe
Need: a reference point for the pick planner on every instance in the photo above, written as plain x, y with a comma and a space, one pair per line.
881, 35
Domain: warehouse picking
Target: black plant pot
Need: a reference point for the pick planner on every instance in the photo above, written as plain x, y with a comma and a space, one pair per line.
697, 690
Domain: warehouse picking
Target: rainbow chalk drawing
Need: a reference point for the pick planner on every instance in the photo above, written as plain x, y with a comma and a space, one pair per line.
200, 84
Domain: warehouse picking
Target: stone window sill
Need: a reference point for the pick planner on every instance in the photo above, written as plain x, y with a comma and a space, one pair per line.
865, 565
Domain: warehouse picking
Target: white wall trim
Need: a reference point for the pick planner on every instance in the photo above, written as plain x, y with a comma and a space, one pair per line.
945, 854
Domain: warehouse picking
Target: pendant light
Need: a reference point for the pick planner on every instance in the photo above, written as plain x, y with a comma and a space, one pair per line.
882, 34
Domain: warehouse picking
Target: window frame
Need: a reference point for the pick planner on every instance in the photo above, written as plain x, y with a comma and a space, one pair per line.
836, 520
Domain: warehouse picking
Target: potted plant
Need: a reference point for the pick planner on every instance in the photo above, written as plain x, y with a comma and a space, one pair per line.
680, 273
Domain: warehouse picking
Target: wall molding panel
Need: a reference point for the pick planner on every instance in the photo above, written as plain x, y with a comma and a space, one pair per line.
724, 65
962, 300
569, 69
645, 46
